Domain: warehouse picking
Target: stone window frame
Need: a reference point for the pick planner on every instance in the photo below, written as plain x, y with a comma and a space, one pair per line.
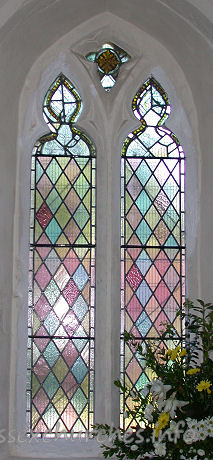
107, 118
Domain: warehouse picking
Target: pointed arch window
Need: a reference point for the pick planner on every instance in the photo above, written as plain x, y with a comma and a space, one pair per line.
152, 231
62, 270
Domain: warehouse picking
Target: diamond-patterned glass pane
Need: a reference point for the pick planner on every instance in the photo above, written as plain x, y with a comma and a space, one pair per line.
137, 375
152, 251
64, 205
62, 379
62, 270
154, 213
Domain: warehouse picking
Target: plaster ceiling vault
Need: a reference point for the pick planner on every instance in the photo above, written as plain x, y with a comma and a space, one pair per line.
9, 7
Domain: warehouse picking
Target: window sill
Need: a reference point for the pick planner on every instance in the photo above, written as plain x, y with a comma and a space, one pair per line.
56, 448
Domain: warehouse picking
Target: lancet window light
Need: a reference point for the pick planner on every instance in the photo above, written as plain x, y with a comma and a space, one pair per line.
62, 270
152, 233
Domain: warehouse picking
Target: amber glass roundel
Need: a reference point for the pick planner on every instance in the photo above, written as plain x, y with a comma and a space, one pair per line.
108, 61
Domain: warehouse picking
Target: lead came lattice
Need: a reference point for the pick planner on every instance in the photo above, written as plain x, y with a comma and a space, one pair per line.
152, 232
62, 270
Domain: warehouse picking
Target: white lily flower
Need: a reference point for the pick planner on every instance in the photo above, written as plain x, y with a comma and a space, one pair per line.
146, 389
148, 412
211, 354
172, 404
159, 390
173, 426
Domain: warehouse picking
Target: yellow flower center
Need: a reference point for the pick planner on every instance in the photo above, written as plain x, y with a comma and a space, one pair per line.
193, 371
162, 422
204, 385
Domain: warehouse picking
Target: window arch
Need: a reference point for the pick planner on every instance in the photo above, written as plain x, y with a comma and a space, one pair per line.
112, 112
152, 231
62, 270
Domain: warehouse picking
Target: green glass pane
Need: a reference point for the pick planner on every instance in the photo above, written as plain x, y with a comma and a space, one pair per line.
53, 201
87, 200
38, 231
143, 202
142, 381
39, 200
52, 292
35, 385
79, 369
85, 384
60, 369
152, 188
36, 323
51, 354
50, 417
152, 217
170, 217
39, 171
128, 172
171, 241
50, 385
128, 201
36, 353
143, 232
143, 173
63, 186
80, 343
35, 417
63, 216
81, 216
62, 240
79, 427
176, 232
53, 231
81, 240
60, 401
81, 186
63, 162
128, 231
171, 188
86, 231
81, 162
87, 171
79, 401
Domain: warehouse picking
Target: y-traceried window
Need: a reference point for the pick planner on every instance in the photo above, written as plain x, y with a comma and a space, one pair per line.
62, 270
152, 232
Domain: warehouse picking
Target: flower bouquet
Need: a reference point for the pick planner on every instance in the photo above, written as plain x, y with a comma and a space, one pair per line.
173, 413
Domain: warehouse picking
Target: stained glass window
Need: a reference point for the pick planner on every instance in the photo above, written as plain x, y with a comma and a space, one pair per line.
62, 270
152, 232
109, 60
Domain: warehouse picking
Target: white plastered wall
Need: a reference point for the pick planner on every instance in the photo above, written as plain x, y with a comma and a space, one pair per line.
107, 118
